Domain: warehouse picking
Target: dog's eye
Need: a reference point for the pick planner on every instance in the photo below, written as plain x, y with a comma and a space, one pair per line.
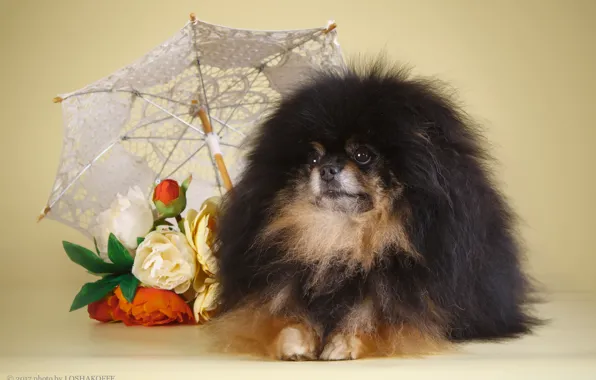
362, 155
313, 157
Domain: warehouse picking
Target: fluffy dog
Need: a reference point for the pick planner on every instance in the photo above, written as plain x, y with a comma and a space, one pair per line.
366, 224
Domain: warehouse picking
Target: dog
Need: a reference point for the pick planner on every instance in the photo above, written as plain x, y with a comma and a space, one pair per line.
366, 224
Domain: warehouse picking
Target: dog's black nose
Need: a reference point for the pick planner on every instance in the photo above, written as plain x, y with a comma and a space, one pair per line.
328, 172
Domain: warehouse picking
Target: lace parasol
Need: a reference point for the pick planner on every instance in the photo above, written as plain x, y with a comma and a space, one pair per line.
183, 108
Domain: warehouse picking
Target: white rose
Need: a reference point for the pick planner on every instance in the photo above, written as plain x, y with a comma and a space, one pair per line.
128, 218
165, 260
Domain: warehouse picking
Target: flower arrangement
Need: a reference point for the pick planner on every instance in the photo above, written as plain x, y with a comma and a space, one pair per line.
152, 271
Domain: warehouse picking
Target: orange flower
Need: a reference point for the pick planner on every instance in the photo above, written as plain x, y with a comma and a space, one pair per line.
103, 310
169, 198
167, 191
150, 307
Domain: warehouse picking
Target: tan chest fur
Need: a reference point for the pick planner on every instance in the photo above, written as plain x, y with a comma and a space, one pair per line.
324, 238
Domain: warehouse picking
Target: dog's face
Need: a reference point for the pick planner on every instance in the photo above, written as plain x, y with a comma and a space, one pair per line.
344, 150
344, 180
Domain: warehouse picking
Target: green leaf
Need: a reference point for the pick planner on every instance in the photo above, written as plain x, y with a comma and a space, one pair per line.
94, 291
96, 248
186, 183
140, 240
87, 259
128, 285
118, 254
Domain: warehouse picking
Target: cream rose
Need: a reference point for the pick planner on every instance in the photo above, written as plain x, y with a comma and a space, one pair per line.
206, 304
128, 218
165, 260
199, 228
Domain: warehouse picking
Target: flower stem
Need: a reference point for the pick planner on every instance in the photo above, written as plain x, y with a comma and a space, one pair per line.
180, 223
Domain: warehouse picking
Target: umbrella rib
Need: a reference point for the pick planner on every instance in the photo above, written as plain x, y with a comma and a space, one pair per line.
161, 97
171, 114
262, 65
186, 160
175, 139
243, 77
126, 137
239, 104
203, 86
225, 123
163, 138
149, 123
165, 98
200, 71
128, 92
172, 151
229, 126
82, 172
292, 47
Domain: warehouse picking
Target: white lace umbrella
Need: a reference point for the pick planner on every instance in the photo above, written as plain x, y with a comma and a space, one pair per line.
148, 121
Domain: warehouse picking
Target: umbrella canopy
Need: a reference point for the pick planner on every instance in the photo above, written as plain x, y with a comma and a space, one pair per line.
147, 121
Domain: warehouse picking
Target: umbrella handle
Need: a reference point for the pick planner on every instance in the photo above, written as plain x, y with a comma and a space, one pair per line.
213, 144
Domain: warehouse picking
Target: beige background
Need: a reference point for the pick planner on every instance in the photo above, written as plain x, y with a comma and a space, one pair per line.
524, 68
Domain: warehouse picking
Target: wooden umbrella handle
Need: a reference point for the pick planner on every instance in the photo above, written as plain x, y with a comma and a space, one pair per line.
219, 161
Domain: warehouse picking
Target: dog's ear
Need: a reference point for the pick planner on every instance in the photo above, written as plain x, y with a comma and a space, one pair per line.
433, 139
441, 162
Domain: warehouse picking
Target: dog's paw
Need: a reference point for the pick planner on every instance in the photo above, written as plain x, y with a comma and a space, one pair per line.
296, 343
342, 347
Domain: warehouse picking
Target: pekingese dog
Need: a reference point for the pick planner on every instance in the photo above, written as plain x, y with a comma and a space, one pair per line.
366, 224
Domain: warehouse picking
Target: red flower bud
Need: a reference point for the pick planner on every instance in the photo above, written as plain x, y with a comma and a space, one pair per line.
167, 191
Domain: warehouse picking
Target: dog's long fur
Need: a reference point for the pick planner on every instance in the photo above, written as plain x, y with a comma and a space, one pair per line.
436, 261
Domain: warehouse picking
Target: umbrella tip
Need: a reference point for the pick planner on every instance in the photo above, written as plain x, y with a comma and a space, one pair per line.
330, 27
43, 213
57, 99
193, 18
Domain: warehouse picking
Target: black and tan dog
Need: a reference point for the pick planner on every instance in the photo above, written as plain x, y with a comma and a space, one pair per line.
366, 224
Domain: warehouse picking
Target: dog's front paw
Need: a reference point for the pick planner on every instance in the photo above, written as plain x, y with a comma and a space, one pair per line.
296, 343
342, 347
